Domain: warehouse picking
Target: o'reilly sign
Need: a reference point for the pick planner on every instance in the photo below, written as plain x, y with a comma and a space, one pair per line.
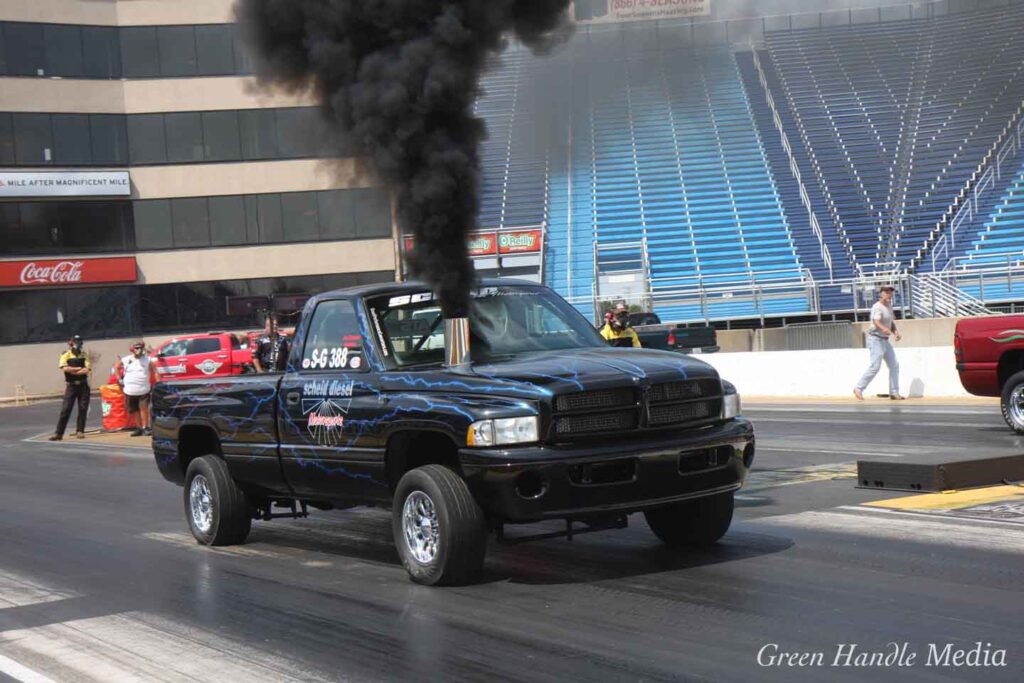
64, 184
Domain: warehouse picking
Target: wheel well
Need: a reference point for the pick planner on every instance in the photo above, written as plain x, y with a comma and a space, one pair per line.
195, 441
1010, 363
409, 450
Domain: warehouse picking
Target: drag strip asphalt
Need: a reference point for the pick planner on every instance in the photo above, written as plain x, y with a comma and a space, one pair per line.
100, 579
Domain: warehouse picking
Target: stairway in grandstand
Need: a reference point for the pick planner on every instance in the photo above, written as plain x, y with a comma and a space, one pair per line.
893, 118
807, 243
999, 245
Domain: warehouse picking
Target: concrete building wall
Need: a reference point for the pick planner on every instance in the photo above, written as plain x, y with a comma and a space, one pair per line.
254, 177
283, 260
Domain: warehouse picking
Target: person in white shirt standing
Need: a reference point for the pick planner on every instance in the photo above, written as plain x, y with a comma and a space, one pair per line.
883, 328
138, 375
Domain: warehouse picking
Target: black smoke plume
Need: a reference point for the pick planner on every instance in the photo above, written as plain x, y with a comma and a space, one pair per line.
398, 78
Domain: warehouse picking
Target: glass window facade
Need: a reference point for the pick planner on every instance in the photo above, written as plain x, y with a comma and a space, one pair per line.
69, 51
54, 228
135, 310
171, 138
41, 228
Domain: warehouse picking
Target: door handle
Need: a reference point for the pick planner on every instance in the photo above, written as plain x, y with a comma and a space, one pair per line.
222, 355
292, 398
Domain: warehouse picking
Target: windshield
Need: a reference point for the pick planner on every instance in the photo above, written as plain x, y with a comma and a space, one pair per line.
504, 321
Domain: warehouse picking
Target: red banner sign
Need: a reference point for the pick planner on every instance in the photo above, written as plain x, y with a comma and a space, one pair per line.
493, 243
60, 273
519, 242
482, 244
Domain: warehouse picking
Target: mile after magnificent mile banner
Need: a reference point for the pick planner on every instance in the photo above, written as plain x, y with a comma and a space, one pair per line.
609, 11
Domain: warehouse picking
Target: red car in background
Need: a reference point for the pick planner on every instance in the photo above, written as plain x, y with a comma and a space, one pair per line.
214, 354
990, 359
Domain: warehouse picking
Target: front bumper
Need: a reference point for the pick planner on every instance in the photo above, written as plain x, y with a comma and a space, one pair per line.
577, 480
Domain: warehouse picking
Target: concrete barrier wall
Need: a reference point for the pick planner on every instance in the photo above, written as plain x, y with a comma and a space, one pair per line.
924, 371
34, 366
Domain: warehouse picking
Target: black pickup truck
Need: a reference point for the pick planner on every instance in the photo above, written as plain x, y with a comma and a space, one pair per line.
462, 427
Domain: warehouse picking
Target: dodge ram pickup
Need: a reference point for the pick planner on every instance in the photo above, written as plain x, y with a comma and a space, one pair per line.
989, 354
519, 413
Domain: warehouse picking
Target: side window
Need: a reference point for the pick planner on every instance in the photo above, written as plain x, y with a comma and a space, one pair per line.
175, 348
203, 345
333, 341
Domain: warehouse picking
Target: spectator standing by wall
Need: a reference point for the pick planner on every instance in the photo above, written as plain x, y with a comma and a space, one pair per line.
138, 375
75, 365
879, 336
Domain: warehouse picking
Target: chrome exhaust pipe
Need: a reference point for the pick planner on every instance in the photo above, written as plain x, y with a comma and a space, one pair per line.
456, 341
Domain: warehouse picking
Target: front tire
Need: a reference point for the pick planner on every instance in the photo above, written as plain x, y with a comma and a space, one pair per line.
215, 506
1012, 402
692, 523
440, 531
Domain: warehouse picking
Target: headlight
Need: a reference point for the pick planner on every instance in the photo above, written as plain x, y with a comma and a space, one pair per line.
503, 432
730, 401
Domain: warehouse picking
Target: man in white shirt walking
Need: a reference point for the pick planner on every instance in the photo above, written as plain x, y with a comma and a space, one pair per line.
138, 375
883, 328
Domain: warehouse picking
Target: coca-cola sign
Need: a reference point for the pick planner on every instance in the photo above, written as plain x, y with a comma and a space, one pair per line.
64, 272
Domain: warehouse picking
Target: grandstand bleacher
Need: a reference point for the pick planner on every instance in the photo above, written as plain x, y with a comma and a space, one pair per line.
896, 116
1002, 238
644, 155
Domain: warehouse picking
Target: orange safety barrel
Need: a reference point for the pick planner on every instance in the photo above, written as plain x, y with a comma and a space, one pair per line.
115, 413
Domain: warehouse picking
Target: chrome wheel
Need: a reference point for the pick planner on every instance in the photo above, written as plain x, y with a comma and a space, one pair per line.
201, 503
420, 527
1015, 406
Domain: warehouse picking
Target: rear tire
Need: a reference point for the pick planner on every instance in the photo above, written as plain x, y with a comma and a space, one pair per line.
692, 523
215, 506
440, 531
1012, 402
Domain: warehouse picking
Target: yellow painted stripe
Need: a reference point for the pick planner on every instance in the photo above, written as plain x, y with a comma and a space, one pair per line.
952, 500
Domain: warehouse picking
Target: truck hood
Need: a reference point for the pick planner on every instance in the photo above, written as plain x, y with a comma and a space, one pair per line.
557, 372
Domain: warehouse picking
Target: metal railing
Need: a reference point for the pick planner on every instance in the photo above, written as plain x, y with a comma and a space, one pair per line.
705, 292
805, 199
920, 295
967, 202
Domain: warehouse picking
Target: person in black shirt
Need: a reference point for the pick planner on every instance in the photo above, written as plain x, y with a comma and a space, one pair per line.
75, 365
271, 352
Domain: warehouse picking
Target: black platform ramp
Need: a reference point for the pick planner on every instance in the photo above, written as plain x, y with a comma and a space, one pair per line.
955, 474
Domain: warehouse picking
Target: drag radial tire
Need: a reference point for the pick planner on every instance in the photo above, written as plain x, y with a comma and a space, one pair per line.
1012, 402
440, 531
215, 506
695, 523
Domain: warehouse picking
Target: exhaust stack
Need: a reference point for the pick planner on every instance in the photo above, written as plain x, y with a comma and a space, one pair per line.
456, 341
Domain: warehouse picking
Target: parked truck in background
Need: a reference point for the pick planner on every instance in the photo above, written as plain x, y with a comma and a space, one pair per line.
989, 354
687, 339
527, 415
211, 354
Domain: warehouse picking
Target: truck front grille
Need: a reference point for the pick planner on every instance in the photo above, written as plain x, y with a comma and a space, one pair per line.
576, 425
684, 390
595, 400
621, 409
681, 413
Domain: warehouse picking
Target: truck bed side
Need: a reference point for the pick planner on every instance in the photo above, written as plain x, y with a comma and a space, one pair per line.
235, 417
